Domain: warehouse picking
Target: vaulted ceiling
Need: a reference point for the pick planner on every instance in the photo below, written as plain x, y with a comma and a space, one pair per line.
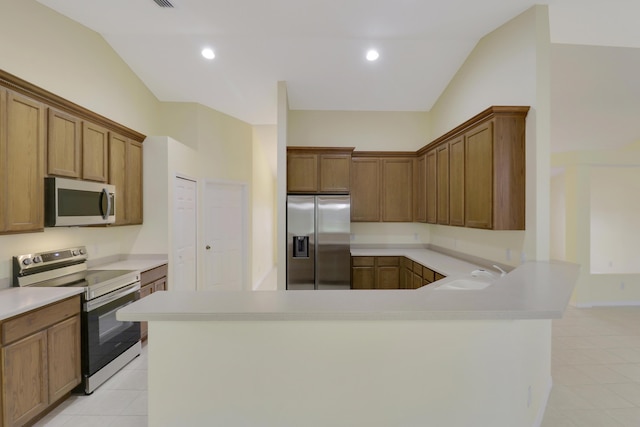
318, 47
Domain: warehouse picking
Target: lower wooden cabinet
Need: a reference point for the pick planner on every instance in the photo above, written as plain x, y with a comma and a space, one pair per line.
390, 272
151, 281
375, 272
39, 360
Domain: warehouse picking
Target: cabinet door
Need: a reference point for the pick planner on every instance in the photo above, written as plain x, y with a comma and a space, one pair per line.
387, 273
417, 281
134, 183
160, 285
335, 173
478, 189
22, 141
456, 181
302, 173
118, 174
420, 192
432, 194
365, 189
362, 277
442, 182
397, 185
24, 379
63, 144
63, 345
95, 143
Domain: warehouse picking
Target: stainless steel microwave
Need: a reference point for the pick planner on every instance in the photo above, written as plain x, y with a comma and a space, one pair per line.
70, 202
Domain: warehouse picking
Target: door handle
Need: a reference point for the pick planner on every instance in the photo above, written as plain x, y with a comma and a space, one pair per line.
207, 247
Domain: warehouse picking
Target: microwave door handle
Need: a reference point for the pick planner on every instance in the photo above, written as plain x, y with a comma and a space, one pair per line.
103, 195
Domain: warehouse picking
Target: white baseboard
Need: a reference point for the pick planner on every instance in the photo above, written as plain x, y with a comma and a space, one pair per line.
543, 406
607, 304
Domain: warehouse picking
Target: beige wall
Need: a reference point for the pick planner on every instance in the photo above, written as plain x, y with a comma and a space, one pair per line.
600, 224
364, 130
509, 66
63, 57
264, 192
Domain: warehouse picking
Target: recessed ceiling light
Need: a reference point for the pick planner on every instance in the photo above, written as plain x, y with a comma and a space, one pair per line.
372, 55
208, 53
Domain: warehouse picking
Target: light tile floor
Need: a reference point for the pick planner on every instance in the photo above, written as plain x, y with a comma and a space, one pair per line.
121, 401
595, 368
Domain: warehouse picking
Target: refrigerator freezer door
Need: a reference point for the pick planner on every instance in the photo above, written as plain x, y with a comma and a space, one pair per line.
333, 264
300, 242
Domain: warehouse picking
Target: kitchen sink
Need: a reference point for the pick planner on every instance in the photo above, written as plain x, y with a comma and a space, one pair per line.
464, 285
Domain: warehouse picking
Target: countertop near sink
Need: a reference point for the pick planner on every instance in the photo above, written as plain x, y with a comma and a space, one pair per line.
534, 290
436, 261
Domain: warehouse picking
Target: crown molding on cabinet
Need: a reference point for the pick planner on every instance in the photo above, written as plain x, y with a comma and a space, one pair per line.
19, 85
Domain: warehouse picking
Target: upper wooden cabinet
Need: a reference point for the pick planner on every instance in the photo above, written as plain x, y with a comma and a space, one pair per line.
397, 186
420, 190
125, 172
319, 170
365, 189
134, 182
442, 184
382, 187
431, 187
22, 145
63, 144
95, 147
456, 181
476, 172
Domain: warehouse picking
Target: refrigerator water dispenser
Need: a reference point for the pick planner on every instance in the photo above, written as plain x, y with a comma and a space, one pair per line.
301, 246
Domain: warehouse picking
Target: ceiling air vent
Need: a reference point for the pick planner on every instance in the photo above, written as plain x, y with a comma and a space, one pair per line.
163, 3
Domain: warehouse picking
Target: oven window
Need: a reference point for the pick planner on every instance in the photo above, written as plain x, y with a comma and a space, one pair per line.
109, 327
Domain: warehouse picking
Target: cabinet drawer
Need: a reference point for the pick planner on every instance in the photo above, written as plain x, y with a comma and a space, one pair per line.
428, 274
388, 260
362, 261
41, 318
152, 275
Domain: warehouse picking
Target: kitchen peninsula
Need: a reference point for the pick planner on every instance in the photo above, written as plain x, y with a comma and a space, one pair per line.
345, 358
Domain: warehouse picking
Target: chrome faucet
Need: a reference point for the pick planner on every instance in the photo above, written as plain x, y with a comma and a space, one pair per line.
502, 272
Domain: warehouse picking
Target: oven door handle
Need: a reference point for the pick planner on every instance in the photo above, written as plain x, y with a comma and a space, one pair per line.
106, 299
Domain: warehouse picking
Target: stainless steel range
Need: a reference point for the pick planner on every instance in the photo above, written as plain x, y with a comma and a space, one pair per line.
107, 343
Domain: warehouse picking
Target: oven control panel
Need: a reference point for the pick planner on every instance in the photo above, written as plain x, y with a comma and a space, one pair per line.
26, 264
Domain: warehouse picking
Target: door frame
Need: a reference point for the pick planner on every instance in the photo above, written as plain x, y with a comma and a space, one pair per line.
172, 262
245, 226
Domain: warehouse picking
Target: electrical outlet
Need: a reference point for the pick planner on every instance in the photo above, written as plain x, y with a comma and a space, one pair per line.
507, 254
415, 236
523, 258
353, 237
622, 286
529, 396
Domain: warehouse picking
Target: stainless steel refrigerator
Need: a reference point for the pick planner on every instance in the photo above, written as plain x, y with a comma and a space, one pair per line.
318, 242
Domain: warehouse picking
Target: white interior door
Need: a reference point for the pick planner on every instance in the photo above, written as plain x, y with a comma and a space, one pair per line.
225, 236
185, 234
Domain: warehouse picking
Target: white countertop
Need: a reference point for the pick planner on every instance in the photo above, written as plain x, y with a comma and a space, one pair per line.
436, 261
535, 290
134, 263
15, 301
